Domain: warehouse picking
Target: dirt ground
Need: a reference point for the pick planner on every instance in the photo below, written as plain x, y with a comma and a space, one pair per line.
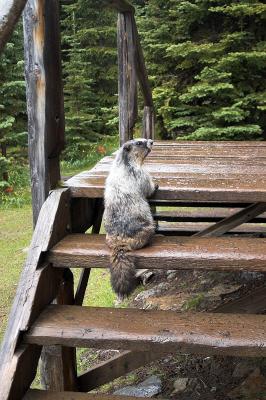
186, 377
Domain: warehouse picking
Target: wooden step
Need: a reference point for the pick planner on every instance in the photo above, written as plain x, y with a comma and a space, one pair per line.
44, 395
189, 228
148, 330
200, 215
167, 252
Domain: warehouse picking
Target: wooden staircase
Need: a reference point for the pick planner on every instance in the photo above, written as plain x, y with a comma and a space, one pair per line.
60, 243
223, 182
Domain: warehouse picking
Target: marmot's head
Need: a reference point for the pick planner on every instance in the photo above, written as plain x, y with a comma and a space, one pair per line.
136, 150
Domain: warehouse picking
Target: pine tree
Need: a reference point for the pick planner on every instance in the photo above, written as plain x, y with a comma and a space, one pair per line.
90, 74
207, 60
12, 100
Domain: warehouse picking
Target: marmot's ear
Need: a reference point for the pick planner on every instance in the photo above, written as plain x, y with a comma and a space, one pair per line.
127, 147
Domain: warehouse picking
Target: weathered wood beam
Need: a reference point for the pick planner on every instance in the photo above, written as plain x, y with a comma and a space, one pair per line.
58, 365
44, 97
117, 366
141, 68
148, 123
85, 273
234, 220
10, 11
38, 286
127, 79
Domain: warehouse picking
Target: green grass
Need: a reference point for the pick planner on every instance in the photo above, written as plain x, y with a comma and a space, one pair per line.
15, 235
16, 232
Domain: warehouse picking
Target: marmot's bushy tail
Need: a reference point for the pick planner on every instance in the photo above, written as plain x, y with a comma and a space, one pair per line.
122, 270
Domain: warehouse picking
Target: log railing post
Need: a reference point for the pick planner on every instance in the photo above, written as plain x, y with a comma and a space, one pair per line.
44, 97
46, 127
127, 80
131, 67
148, 123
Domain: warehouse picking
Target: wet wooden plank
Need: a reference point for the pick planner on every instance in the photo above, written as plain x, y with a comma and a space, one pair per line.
233, 221
209, 144
196, 333
223, 254
190, 228
43, 395
193, 172
10, 11
196, 188
200, 215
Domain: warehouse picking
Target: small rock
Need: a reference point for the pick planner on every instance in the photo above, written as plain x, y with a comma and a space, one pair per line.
170, 271
171, 277
180, 385
150, 387
145, 294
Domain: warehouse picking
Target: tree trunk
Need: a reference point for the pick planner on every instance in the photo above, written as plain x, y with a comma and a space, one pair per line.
3, 152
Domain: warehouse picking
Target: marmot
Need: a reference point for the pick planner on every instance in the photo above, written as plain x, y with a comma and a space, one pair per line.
128, 219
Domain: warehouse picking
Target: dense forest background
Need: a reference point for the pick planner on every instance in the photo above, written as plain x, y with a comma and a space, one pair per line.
206, 61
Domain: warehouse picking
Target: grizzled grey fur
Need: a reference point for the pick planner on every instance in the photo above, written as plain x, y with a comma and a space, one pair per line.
128, 220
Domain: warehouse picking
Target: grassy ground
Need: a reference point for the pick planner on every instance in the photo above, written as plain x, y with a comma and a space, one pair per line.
15, 234
16, 231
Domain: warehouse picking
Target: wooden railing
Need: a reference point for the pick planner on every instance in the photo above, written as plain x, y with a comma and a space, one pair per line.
131, 68
44, 83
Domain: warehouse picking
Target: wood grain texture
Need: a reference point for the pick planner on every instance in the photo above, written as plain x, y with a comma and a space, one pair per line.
229, 223
10, 11
127, 79
216, 174
58, 367
141, 68
200, 333
148, 123
189, 228
42, 395
37, 277
222, 254
201, 215
85, 273
44, 97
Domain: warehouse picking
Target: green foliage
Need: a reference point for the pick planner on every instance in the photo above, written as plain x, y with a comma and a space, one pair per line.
12, 103
90, 74
207, 59
4, 162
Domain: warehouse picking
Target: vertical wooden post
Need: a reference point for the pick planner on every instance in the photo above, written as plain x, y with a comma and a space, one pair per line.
46, 127
127, 80
44, 97
148, 123
58, 371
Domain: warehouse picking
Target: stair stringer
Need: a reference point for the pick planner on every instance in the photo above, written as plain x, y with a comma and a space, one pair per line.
38, 286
